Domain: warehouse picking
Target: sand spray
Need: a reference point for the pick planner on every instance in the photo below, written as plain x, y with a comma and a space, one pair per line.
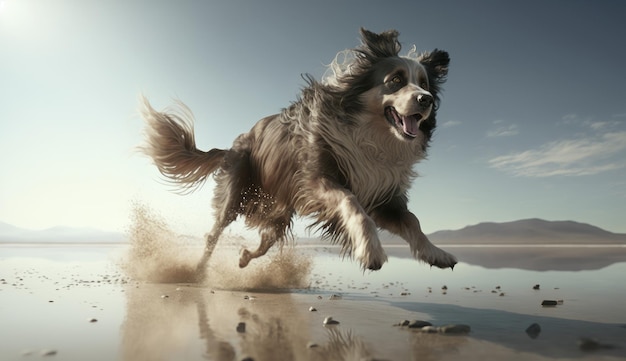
159, 255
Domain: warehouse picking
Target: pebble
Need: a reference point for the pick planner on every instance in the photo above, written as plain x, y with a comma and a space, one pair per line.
429, 329
334, 297
312, 309
241, 327
92, 320
533, 330
418, 324
588, 344
329, 321
403, 323
165, 296
455, 329
48, 352
312, 345
536, 287
549, 303
444, 287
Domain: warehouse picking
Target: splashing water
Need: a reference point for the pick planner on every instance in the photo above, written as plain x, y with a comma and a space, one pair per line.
157, 254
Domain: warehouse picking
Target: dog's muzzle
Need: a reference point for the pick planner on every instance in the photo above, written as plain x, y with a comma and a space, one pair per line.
409, 125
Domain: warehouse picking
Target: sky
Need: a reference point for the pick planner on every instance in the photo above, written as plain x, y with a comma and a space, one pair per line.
532, 122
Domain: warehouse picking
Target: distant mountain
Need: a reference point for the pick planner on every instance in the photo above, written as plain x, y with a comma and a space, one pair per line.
529, 231
12, 234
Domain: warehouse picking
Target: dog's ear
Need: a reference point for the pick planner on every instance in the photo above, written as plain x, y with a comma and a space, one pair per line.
381, 45
436, 63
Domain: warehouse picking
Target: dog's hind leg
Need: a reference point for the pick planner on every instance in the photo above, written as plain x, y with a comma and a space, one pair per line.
211, 242
396, 218
231, 181
268, 239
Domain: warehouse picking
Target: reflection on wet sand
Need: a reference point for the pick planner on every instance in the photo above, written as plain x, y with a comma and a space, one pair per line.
163, 320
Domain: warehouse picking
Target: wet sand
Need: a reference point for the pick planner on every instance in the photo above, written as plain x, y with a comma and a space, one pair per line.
79, 303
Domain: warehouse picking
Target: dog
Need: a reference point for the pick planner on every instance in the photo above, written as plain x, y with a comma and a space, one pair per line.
342, 154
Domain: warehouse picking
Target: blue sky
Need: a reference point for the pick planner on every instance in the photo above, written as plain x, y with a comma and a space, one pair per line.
532, 121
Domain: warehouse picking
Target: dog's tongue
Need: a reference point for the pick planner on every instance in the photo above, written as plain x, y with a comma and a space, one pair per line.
410, 125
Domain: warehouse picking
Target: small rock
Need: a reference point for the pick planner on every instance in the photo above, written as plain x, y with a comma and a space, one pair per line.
444, 287
587, 344
334, 297
419, 324
48, 352
429, 329
548, 303
533, 330
536, 287
501, 294
403, 323
498, 287
329, 321
454, 329
312, 309
165, 296
241, 327
92, 320
312, 345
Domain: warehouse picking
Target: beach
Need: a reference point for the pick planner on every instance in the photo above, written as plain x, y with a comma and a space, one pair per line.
77, 302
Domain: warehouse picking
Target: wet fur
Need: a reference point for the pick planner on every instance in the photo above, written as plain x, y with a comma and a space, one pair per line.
335, 155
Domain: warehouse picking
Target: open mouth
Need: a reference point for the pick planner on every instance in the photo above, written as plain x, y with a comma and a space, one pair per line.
409, 124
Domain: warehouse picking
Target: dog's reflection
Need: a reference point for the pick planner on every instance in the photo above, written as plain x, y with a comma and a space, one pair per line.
167, 322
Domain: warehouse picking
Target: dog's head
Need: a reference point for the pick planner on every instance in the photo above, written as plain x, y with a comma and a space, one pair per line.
400, 91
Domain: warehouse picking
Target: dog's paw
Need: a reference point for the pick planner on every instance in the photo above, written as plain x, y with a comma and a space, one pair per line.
244, 258
375, 265
370, 257
437, 257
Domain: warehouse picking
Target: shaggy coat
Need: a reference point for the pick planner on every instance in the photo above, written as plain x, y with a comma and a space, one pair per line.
343, 154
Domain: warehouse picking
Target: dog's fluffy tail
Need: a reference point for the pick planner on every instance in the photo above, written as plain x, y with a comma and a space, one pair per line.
171, 145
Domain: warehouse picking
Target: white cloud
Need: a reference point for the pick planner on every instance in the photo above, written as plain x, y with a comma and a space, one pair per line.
573, 157
504, 131
450, 123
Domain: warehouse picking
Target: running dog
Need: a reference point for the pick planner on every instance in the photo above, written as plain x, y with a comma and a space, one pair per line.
342, 154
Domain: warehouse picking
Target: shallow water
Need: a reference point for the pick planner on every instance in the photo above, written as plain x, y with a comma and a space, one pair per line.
51, 293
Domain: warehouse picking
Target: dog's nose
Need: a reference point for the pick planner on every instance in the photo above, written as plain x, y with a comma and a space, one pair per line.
424, 100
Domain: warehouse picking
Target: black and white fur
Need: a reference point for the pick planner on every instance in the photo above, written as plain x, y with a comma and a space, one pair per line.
343, 154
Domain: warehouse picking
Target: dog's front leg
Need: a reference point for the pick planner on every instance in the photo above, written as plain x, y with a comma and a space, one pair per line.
340, 213
397, 219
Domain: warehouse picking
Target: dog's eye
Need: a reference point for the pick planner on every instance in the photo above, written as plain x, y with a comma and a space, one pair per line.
396, 79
